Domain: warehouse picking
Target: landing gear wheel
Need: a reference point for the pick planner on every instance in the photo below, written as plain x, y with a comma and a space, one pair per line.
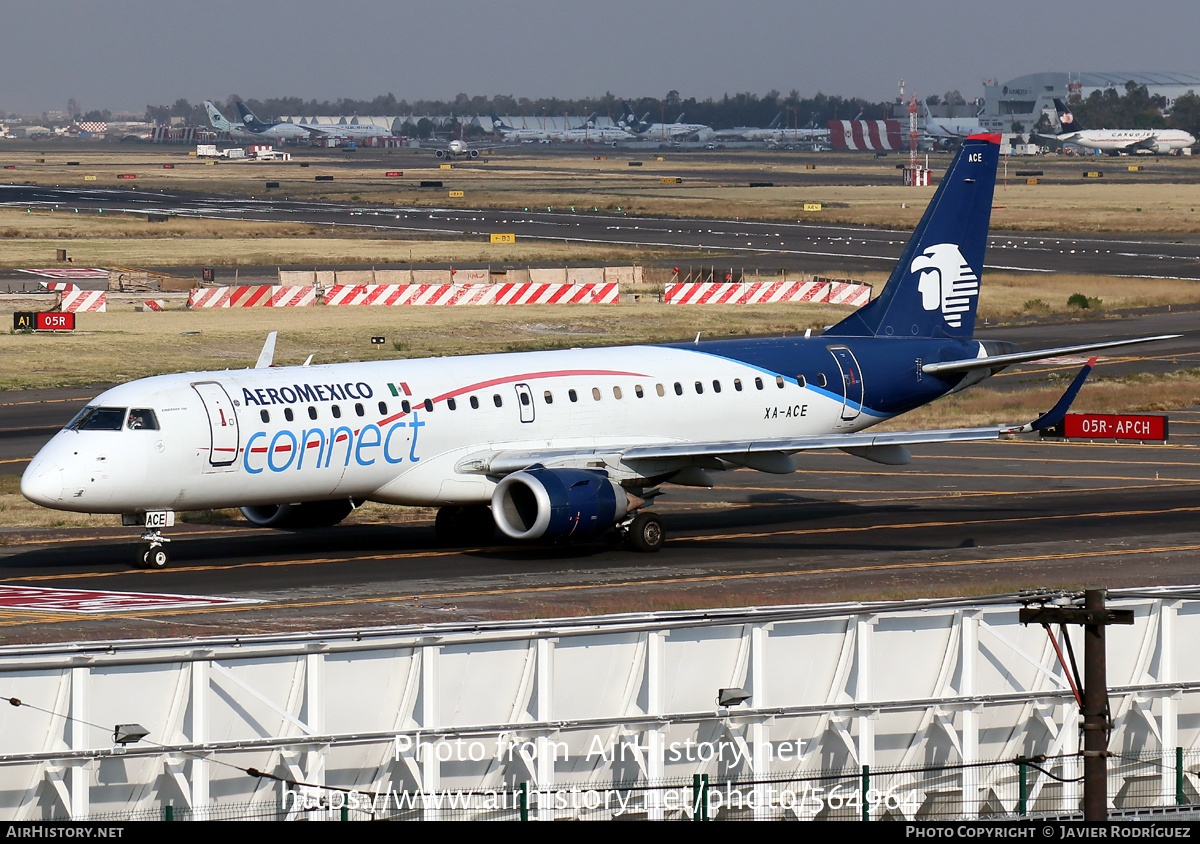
154, 557
645, 533
469, 525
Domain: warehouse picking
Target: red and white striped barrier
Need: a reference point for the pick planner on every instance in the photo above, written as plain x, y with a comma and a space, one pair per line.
156, 305
208, 297
527, 293
765, 292
849, 294
253, 296
72, 300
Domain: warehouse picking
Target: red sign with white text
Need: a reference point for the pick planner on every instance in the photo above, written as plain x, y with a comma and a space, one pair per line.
56, 322
1115, 426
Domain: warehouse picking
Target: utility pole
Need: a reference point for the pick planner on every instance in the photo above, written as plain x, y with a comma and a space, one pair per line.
1093, 702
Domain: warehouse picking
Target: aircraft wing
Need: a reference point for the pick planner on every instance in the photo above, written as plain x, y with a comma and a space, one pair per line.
995, 361
771, 454
1145, 143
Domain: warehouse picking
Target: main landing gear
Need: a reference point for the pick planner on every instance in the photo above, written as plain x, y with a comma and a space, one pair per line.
465, 524
644, 532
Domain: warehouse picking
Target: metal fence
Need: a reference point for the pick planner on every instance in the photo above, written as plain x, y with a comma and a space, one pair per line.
1142, 784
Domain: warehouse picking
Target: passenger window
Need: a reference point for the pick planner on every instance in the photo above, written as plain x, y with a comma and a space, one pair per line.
358, 409
429, 405
549, 398
801, 381
288, 415
312, 412
678, 389
572, 395
405, 406
596, 393
616, 392
758, 382
499, 402
716, 386
637, 389
337, 411
266, 417
737, 384
658, 388
474, 403
779, 382
524, 399
699, 388
452, 404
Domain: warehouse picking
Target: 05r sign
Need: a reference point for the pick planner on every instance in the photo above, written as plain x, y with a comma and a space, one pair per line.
55, 322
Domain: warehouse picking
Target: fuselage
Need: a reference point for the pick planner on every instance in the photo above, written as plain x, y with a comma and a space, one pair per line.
402, 431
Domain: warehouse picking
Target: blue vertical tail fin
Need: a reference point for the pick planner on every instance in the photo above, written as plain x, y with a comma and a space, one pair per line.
934, 289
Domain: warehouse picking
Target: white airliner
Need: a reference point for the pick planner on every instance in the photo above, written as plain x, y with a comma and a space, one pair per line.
948, 132
252, 127
1117, 141
555, 445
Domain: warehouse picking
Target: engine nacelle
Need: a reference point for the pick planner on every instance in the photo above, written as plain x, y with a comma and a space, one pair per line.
557, 504
440, 153
474, 153
313, 514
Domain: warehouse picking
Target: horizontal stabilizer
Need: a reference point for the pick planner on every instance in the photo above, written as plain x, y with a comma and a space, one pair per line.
997, 361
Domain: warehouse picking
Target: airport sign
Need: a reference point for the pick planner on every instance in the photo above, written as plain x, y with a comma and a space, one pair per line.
1115, 426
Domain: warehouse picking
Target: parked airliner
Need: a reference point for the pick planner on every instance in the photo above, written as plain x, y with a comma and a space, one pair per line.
1117, 141
552, 445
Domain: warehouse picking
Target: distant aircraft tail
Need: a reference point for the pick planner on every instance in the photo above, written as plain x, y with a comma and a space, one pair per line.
499, 124
216, 119
248, 118
934, 289
1065, 119
777, 122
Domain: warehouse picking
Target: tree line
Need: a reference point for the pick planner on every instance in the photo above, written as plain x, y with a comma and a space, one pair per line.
745, 109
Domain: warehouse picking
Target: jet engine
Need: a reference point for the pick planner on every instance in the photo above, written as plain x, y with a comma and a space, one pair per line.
557, 504
313, 514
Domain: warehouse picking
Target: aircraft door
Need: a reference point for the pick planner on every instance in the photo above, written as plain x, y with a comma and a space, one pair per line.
852, 384
525, 402
223, 424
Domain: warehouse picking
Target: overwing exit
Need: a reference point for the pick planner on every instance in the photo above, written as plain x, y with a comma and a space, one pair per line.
555, 445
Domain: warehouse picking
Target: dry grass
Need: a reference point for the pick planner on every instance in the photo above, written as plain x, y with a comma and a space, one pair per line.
32, 239
122, 345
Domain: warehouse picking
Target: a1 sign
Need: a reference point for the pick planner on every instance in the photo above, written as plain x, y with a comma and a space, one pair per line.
55, 322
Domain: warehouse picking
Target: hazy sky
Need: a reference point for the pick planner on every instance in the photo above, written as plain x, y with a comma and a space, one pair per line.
124, 54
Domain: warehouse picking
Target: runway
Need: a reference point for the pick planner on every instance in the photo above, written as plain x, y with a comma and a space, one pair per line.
973, 519
739, 243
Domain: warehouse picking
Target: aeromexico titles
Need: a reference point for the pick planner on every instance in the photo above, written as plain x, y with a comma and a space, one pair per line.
555, 445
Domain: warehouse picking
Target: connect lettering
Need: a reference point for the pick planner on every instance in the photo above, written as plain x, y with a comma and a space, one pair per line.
282, 450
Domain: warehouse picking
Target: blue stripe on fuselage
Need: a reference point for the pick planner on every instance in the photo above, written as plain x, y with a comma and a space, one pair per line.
891, 375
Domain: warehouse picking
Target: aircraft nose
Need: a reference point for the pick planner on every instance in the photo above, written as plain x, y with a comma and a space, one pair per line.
42, 482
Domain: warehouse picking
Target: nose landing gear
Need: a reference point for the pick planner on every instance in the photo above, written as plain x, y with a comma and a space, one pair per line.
154, 554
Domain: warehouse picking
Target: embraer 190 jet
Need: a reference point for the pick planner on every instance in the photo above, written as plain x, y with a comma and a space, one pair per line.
554, 446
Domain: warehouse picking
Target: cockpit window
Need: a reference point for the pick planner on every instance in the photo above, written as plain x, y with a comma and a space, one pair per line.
141, 418
98, 419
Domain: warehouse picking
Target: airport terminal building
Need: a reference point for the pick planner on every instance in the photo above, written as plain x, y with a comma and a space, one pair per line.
1016, 105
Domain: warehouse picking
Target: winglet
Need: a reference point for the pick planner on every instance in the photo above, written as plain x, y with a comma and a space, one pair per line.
1056, 414
266, 357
